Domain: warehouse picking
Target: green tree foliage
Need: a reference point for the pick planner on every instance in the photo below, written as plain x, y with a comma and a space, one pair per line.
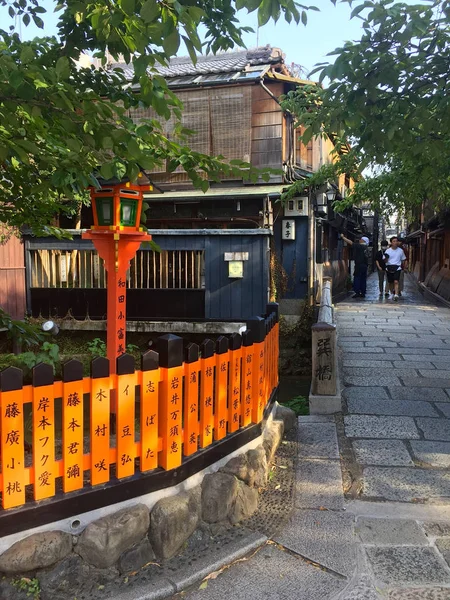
59, 121
389, 95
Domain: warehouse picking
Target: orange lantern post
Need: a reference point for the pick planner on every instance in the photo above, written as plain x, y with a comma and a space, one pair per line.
117, 236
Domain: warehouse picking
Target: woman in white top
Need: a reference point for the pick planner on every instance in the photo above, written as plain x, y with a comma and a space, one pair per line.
395, 259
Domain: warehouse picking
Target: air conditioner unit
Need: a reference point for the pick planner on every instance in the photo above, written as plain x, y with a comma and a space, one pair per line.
297, 207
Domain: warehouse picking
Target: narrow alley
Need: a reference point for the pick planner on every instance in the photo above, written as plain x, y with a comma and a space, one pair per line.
371, 516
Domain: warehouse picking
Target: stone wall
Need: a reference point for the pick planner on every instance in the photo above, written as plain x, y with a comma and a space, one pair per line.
125, 541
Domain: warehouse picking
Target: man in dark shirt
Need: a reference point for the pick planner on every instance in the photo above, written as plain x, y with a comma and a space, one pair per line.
381, 267
361, 259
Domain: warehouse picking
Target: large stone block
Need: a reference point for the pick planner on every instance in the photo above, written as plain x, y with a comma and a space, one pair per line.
172, 521
245, 504
258, 467
37, 551
219, 492
251, 468
287, 415
103, 541
135, 558
273, 434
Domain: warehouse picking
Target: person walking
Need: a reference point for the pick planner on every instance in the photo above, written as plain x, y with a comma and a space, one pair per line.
361, 259
395, 261
381, 268
401, 283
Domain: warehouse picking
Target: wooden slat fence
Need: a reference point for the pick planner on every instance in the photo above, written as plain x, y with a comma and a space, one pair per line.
168, 269
56, 436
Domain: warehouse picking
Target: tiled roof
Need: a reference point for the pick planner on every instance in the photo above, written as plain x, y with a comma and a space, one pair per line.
225, 62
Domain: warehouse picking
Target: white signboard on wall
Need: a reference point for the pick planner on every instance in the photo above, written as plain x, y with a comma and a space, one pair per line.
288, 229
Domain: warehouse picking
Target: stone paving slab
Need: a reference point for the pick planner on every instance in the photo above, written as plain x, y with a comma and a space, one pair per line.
368, 426
433, 374
363, 589
387, 380
381, 344
388, 453
308, 419
426, 357
443, 545
434, 429
401, 364
318, 440
271, 573
444, 407
407, 565
418, 393
435, 454
390, 532
318, 485
437, 529
441, 351
368, 364
377, 406
419, 343
416, 351
406, 485
420, 593
429, 383
365, 393
361, 349
325, 537
215, 560
390, 355
382, 374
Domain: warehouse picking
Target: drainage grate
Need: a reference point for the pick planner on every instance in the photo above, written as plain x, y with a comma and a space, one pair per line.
277, 500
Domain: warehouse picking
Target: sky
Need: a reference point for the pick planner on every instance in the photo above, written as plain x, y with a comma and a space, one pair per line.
305, 46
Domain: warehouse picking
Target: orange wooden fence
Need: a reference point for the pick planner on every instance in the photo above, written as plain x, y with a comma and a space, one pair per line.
58, 436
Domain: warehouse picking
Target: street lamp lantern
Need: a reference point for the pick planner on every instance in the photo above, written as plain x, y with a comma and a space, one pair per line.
331, 194
118, 206
117, 236
321, 204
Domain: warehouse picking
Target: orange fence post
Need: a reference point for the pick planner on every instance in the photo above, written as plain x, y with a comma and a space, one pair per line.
206, 393
100, 420
72, 425
257, 326
170, 349
191, 411
12, 440
150, 378
126, 400
247, 377
223, 387
43, 432
274, 310
234, 389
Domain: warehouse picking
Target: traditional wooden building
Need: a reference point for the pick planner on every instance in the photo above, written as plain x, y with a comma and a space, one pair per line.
12, 274
428, 241
232, 105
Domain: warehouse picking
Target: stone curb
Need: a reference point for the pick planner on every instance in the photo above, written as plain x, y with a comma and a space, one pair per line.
183, 579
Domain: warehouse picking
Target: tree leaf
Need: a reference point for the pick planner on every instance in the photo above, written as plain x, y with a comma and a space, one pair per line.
62, 67
128, 6
171, 43
150, 11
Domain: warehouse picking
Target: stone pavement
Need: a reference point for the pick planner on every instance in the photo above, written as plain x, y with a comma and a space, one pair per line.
372, 511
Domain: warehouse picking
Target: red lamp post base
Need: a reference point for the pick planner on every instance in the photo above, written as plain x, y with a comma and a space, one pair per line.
116, 248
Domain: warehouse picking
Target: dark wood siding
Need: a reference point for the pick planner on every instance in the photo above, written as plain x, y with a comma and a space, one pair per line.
222, 298
12, 275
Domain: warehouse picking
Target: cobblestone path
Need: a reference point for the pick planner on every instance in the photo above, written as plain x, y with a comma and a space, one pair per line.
395, 368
